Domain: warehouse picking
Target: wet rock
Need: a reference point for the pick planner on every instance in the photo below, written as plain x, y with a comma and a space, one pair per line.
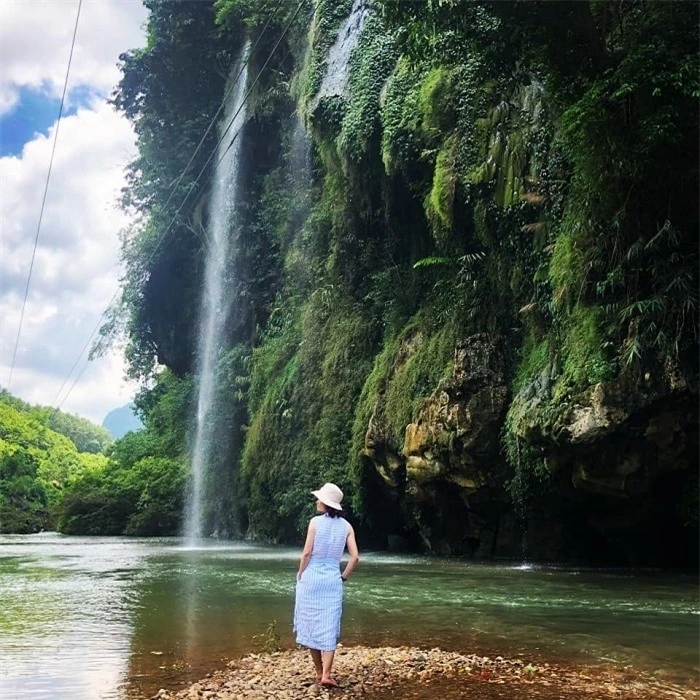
458, 425
450, 449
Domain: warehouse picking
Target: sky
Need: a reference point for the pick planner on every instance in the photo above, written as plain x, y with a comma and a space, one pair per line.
76, 268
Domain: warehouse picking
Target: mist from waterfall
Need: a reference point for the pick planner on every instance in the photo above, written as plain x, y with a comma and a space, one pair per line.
215, 301
299, 165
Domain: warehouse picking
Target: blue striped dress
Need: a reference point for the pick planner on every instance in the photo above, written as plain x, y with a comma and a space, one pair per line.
319, 594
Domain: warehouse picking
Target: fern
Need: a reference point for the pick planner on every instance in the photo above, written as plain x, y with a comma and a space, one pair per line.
432, 260
631, 351
641, 308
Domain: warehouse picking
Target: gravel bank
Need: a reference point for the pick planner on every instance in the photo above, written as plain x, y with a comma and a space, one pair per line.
420, 674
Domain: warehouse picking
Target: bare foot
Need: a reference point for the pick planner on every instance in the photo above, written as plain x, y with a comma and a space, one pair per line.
328, 683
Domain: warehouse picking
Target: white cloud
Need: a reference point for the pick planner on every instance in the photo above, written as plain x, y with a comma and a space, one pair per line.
75, 271
76, 268
99, 389
35, 40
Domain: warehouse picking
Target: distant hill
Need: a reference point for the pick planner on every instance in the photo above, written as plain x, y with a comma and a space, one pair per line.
37, 463
121, 420
86, 435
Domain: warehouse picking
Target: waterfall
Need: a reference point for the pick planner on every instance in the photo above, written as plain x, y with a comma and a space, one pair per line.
335, 80
300, 161
215, 302
300, 173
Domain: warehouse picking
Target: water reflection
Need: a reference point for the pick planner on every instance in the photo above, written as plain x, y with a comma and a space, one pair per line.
56, 614
88, 618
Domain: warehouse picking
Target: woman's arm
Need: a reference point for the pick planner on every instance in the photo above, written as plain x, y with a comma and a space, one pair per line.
308, 548
354, 555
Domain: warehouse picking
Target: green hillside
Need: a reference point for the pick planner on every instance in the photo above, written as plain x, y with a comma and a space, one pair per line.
85, 435
36, 465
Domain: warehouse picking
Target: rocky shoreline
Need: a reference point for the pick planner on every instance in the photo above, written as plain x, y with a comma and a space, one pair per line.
422, 674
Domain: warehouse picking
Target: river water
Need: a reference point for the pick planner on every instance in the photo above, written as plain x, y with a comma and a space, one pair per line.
86, 618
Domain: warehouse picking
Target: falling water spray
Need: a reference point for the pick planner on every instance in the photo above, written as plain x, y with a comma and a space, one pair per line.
215, 304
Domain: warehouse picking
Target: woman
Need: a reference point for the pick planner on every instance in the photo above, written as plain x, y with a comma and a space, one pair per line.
319, 596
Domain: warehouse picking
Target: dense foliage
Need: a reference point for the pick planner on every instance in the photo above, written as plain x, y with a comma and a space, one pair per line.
132, 486
37, 464
526, 171
140, 489
170, 90
85, 435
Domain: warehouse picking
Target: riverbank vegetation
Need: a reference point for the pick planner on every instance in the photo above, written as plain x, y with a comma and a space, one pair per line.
60, 471
41, 452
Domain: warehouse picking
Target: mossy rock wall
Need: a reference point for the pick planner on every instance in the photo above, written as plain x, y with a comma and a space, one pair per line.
469, 277
368, 386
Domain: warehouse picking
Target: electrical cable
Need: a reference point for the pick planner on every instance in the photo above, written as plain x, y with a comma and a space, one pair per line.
46, 189
174, 186
189, 192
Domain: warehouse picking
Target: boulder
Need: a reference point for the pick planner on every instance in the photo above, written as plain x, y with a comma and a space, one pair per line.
455, 435
449, 451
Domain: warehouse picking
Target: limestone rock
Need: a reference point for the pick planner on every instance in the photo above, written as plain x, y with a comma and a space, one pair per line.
456, 430
450, 449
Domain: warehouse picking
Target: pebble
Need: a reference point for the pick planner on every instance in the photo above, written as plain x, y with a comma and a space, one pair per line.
365, 673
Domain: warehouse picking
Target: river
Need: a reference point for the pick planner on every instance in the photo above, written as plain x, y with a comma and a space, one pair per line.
86, 618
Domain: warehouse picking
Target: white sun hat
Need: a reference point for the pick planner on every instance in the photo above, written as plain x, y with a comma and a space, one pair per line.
330, 495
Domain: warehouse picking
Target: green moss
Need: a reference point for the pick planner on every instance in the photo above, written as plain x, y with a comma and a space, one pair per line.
273, 359
405, 373
566, 270
504, 165
535, 356
529, 412
372, 393
435, 101
440, 202
510, 134
586, 349
400, 116
482, 232
571, 357
417, 378
370, 65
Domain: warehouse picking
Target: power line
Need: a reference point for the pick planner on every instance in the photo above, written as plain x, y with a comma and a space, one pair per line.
178, 180
46, 189
175, 184
80, 354
192, 187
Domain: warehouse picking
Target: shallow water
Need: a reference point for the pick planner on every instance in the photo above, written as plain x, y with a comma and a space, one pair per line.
86, 618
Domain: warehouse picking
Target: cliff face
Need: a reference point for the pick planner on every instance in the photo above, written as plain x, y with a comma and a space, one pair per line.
448, 469
619, 462
467, 275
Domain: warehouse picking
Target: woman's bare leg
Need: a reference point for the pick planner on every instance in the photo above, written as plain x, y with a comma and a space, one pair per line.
327, 657
318, 665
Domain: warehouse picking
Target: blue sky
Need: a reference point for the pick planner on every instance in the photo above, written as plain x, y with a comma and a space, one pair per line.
35, 111
76, 267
